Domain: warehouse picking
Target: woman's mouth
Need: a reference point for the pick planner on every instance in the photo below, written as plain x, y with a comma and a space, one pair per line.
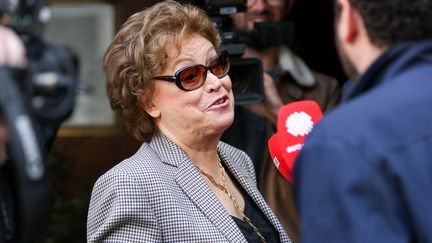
219, 103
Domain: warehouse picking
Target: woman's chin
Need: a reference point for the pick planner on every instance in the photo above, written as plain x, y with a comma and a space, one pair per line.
224, 125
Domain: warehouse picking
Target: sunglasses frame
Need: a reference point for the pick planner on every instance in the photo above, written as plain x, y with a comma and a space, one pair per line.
175, 79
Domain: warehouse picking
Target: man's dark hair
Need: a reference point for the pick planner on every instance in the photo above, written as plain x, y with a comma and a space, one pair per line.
391, 21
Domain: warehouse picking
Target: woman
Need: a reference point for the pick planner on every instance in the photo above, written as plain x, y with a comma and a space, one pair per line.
169, 83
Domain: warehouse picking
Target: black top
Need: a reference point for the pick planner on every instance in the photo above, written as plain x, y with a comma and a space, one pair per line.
252, 211
259, 220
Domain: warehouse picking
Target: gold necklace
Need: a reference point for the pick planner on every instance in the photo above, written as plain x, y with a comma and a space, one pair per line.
224, 188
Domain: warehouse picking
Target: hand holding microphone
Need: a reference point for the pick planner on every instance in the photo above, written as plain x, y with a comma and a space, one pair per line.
295, 121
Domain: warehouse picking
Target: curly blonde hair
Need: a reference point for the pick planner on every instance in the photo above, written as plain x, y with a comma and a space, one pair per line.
139, 51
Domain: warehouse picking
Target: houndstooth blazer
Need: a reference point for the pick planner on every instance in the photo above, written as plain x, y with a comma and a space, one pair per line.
158, 195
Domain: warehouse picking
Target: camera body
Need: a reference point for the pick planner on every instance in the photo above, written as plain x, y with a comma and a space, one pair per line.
48, 83
34, 102
246, 73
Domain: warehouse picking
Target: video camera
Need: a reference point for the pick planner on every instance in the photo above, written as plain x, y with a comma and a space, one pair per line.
33, 102
246, 73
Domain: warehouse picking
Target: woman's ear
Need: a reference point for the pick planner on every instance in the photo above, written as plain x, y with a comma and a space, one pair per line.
149, 106
152, 110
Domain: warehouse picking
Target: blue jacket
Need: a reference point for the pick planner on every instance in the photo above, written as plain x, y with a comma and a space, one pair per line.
365, 171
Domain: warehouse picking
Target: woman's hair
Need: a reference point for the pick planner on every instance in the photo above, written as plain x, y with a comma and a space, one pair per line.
139, 51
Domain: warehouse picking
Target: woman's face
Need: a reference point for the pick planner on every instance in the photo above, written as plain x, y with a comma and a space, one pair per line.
208, 110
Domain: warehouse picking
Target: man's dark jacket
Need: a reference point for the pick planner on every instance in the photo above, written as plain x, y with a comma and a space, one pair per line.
365, 171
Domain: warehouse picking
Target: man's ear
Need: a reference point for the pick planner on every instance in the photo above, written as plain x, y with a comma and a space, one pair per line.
349, 21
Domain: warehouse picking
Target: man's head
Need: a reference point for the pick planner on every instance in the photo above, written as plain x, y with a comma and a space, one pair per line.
365, 28
261, 11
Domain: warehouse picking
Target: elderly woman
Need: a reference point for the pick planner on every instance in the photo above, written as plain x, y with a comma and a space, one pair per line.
168, 81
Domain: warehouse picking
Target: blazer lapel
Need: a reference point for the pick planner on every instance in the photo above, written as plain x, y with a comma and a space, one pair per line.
239, 172
193, 185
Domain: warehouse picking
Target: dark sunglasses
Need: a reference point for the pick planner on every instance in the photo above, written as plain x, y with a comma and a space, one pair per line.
192, 77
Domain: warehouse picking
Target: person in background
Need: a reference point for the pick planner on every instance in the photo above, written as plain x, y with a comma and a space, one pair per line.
287, 78
167, 79
365, 171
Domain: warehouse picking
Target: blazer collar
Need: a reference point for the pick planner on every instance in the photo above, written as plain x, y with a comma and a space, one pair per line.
167, 151
193, 185
249, 185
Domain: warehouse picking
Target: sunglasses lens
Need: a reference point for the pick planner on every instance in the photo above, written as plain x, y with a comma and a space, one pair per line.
220, 65
192, 77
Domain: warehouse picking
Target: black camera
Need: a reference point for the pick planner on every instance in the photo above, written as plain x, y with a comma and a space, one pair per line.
246, 73
34, 102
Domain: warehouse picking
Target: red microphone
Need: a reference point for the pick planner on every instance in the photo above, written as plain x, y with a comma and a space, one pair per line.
295, 121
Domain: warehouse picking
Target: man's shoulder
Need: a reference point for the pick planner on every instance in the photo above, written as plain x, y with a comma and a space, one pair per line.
385, 116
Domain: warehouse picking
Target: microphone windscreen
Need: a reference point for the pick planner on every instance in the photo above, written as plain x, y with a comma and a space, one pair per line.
295, 121
278, 158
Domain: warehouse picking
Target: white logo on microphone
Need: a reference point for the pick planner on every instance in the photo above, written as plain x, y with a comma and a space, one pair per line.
299, 124
276, 162
294, 148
